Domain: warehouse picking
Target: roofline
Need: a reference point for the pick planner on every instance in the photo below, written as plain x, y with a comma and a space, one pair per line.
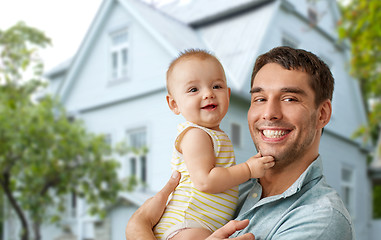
82, 51
233, 12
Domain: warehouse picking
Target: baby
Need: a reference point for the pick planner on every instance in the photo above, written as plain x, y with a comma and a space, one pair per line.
207, 195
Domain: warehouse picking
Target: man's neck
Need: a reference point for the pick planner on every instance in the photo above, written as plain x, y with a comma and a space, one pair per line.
276, 181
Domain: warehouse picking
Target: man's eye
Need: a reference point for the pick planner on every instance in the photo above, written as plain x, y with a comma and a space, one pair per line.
259, 100
290, 100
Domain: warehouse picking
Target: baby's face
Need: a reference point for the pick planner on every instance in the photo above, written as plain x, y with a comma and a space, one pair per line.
199, 91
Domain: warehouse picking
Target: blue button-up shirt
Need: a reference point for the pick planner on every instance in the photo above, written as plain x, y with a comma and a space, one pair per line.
309, 209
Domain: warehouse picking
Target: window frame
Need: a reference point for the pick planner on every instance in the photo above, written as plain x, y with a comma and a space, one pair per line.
119, 51
138, 161
238, 144
348, 184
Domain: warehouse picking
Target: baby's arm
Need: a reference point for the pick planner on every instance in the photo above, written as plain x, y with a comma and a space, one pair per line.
197, 149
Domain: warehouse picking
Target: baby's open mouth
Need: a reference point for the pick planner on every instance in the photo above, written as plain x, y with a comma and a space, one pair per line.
209, 107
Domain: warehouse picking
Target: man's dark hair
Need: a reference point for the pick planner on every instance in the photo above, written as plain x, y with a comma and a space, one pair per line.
321, 79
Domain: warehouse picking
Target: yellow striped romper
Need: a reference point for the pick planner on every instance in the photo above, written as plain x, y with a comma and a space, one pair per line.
190, 208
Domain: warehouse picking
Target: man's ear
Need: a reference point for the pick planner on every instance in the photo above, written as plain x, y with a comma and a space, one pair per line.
325, 112
172, 104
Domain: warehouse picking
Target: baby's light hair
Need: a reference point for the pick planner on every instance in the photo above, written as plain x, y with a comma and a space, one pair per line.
186, 55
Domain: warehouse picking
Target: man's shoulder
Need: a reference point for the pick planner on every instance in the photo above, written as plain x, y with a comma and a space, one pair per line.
322, 202
322, 195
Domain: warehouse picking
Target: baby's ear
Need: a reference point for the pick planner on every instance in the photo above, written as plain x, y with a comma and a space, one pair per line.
172, 104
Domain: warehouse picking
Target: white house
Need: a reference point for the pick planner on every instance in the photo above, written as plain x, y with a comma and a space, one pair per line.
116, 84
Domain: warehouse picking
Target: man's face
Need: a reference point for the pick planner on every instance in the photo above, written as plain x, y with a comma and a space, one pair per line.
283, 117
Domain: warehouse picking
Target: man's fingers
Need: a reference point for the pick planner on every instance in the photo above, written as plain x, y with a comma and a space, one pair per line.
169, 187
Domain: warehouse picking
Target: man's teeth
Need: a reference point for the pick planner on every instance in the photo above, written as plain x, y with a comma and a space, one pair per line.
274, 133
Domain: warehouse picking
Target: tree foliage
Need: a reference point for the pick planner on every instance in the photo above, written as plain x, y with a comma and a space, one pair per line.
361, 25
44, 156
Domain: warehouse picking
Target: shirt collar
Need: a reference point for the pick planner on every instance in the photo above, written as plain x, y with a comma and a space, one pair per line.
314, 171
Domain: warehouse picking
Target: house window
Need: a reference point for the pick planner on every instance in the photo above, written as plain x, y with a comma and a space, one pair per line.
73, 204
312, 16
347, 188
108, 139
119, 54
137, 140
236, 135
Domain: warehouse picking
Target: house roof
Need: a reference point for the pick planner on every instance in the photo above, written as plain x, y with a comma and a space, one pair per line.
174, 32
189, 11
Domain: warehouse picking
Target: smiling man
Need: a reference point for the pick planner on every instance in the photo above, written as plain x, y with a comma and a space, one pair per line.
291, 94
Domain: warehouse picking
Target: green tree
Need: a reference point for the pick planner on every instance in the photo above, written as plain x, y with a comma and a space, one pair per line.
43, 155
360, 24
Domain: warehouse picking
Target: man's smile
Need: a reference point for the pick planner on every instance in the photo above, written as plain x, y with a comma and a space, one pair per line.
274, 133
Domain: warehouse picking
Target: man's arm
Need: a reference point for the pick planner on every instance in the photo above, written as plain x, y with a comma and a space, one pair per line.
140, 225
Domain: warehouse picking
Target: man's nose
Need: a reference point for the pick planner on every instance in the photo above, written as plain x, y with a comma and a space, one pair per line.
272, 110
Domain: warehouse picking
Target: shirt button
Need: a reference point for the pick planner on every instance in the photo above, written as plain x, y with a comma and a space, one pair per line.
255, 195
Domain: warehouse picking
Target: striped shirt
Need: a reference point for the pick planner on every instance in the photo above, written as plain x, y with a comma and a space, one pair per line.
190, 208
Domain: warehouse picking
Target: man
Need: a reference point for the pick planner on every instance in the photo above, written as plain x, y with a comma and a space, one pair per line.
291, 93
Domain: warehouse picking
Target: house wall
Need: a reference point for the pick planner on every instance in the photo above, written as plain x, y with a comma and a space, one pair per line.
147, 65
338, 154
151, 112
118, 222
327, 13
376, 229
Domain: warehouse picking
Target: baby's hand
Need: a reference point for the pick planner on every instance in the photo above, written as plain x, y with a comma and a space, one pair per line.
258, 165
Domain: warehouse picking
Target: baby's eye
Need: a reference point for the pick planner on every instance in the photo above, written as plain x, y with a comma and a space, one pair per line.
217, 87
193, 89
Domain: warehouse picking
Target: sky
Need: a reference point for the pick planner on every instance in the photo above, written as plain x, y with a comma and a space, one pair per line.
64, 21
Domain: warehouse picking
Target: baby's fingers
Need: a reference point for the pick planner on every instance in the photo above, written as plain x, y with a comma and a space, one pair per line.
269, 164
267, 159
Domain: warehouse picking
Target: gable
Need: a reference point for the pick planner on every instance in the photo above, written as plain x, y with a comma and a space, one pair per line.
153, 45
92, 86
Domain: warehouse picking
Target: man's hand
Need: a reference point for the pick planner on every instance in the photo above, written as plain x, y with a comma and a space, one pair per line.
148, 215
230, 228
